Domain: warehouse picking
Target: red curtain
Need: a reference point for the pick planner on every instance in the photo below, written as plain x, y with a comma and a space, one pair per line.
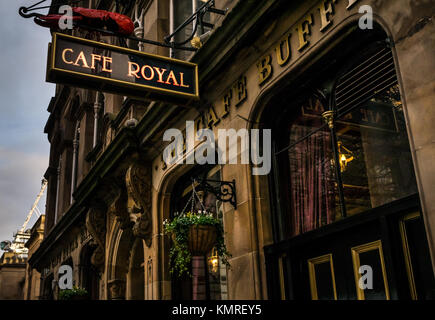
312, 180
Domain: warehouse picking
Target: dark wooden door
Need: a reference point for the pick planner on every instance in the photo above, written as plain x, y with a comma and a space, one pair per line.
389, 245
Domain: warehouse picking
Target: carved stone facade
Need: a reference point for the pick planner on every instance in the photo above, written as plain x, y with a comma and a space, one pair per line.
139, 188
111, 229
96, 225
12, 276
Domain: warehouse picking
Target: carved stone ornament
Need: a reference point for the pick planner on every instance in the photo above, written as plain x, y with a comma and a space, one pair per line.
116, 289
96, 225
119, 209
138, 181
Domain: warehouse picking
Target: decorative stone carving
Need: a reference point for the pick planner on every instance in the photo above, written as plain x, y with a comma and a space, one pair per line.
116, 289
138, 181
96, 225
119, 209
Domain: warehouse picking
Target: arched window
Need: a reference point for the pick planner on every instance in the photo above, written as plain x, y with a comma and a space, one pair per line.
312, 192
353, 161
136, 272
343, 184
89, 274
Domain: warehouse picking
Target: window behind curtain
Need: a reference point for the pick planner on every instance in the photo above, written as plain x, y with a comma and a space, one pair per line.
371, 134
313, 186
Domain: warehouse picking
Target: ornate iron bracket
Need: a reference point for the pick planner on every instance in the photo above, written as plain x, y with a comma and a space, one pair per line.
197, 18
25, 12
224, 191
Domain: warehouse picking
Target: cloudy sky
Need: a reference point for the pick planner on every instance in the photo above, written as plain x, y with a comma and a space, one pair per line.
24, 99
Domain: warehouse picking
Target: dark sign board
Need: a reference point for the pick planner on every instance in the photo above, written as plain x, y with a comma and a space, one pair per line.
100, 66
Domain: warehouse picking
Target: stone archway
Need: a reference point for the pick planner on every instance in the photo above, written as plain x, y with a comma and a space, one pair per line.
119, 264
89, 274
136, 272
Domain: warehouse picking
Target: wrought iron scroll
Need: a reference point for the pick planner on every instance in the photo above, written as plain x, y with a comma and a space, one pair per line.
224, 191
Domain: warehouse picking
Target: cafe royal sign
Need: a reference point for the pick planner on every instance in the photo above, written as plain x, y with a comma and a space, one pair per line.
100, 66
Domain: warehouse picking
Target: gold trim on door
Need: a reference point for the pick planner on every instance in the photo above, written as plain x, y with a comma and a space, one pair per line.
312, 274
375, 245
407, 253
281, 275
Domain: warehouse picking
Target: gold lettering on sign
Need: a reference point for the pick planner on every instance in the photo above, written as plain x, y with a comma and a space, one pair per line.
198, 124
132, 72
63, 55
95, 57
81, 57
142, 72
304, 30
182, 81
227, 103
212, 118
240, 90
351, 3
264, 69
160, 73
172, 77
106, 60
284, 45
326, 10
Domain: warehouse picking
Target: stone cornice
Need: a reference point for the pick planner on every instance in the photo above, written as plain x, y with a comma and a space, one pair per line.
246, 16
213, 55
53, 106
124, 143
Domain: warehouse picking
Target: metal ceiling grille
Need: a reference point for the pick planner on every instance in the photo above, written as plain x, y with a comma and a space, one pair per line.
362, 82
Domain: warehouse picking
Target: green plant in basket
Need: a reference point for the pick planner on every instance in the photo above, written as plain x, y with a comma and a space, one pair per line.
194, 234
73, 294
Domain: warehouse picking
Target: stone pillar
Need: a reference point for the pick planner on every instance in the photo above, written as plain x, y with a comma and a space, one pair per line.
98, 105
416, 65
56, 208
74, 161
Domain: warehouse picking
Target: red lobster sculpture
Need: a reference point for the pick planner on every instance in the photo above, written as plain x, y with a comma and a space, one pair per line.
83, 17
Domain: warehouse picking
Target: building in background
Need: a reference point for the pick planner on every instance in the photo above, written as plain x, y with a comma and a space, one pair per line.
32, 281
12, 276
17, 279
351, 181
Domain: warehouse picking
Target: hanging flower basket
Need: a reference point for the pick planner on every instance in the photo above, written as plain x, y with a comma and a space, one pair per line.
194, 234
201, 239
74, 294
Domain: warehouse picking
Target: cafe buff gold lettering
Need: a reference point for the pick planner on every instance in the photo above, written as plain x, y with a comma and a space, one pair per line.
160, 75
235, 96
69, 57
322, 15
282, 52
